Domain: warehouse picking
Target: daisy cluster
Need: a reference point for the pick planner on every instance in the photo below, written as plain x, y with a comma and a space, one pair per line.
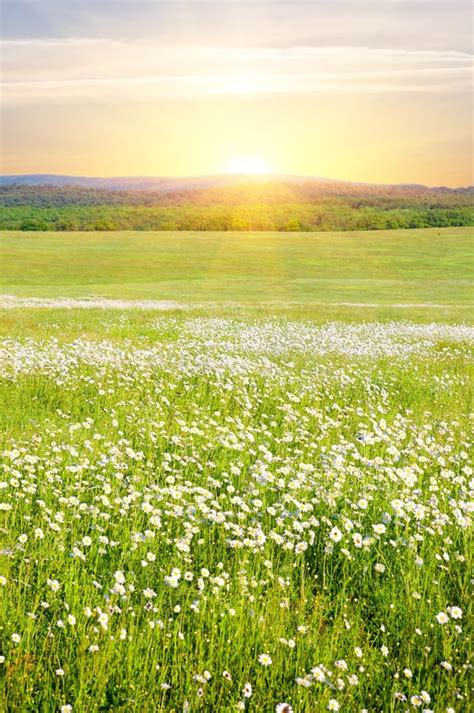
263, 515
368, 339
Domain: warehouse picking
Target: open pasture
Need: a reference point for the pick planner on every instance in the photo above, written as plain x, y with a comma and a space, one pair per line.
414, 266
234, 506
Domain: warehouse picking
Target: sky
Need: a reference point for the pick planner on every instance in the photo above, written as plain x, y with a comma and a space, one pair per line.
376, 91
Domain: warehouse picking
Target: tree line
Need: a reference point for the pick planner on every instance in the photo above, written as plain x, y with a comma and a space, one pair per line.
286, 217
278, 206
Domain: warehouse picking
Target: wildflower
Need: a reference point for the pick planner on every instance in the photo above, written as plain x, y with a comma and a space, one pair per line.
16, 638
455, 612
103, 620
172, 581
247, 690
318, 674
442, 618
335, 534
283, 708
265, 660
333, 705
304, 681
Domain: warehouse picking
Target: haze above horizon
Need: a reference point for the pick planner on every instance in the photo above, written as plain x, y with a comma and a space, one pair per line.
375, 92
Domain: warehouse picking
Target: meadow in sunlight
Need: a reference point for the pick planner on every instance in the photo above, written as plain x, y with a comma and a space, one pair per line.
227, 506
236, 341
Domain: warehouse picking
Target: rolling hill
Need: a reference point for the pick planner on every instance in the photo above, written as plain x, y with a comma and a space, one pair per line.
171, 184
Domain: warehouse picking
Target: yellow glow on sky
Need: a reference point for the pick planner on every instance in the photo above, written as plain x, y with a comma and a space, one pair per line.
387, 140
248, 165
370, 94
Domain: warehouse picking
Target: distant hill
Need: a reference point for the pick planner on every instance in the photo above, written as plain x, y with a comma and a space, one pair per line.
171, 185
124, 183
139, 183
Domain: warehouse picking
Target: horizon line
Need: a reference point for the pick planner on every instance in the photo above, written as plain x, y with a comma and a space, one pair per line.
252, 177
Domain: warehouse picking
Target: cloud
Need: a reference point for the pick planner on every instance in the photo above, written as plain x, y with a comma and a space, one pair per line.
408, 24
104, 70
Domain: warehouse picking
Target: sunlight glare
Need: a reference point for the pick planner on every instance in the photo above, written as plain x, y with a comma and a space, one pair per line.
248, 165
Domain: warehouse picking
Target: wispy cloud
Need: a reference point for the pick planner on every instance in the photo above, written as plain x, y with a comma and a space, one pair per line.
407, 24
96, 70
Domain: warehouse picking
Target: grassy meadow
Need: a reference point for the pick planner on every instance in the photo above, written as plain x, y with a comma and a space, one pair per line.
248, 495
414, 266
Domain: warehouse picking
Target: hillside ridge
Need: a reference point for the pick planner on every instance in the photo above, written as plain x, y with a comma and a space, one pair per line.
172, 184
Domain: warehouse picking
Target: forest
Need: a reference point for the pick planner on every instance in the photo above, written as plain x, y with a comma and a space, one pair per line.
288, 207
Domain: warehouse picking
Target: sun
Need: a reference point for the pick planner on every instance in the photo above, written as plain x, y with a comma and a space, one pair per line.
248, 165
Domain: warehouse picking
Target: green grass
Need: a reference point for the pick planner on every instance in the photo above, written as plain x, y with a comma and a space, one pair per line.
140, 324
414, 266
116, 459
228, 441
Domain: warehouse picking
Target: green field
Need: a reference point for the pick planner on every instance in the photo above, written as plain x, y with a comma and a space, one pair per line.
258, 496
413, 266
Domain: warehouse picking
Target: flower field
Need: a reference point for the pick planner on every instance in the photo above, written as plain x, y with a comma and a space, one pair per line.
231, 513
